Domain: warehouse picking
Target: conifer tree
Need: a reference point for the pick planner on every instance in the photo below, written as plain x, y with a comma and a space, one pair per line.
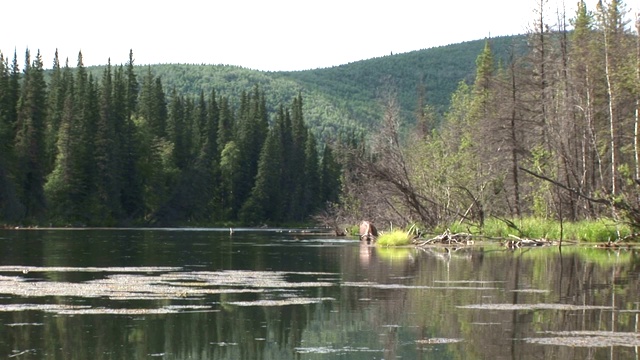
152, 104
311, 182
210, 142
13, 91
10, 207
132, 87
177, 130
330, 172
206, 167
296, 159
132, 191
484, 69
231, 175
225, 124
63, 181
56, 95
251, 133
106, 155
30, 138
199, 123
129, 188
263, 203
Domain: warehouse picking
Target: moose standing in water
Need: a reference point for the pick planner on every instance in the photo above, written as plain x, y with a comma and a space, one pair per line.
368, 232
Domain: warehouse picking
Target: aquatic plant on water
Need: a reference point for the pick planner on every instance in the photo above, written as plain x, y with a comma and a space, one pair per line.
394, 238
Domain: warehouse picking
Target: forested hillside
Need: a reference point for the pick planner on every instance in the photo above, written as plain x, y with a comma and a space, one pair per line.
421, 77
344, 98
208, 144
543, 125
550, 133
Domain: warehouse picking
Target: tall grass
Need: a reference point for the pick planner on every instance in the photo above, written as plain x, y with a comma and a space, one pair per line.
600, 230
393, 238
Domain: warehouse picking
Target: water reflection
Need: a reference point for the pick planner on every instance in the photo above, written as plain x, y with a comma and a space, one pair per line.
201, 294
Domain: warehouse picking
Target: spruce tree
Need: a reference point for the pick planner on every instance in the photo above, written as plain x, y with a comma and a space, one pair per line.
264, 203
311, 181
230, 174
106, 155
225, 124
125, 97
29, 141
252, 130
176, 130
296, 160
63, 181
330, 172
11, 208
56, 95
152, 107
13, 91
206, 170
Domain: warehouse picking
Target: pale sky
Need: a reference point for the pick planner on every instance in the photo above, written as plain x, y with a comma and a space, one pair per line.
256, 34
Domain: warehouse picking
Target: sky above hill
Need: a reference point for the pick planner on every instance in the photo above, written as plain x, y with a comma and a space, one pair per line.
258, 34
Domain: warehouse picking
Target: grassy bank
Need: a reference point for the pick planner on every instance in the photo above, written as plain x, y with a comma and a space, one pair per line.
600, 230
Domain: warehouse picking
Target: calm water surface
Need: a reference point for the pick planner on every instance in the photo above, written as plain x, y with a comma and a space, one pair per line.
209, 294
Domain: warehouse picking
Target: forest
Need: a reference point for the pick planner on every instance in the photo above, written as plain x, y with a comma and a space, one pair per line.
115, 150
542, 125
552, 133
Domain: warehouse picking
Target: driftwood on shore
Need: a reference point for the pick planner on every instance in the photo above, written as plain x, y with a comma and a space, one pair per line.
446, 238
513, 241
516, 242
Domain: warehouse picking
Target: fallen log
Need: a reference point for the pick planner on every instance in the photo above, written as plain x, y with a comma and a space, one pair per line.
446, 238
517, 242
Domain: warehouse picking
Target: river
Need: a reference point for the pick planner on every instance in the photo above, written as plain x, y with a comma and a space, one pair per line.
291, 294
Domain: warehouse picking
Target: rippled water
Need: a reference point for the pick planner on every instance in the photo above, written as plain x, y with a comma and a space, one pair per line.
281, 294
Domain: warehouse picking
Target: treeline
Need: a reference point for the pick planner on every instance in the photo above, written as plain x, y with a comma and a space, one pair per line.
324, 117
119, 150
551, 133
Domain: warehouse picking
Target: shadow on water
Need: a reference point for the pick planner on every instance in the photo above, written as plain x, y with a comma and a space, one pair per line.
300, 294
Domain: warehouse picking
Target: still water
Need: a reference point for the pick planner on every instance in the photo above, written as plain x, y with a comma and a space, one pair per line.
277, 294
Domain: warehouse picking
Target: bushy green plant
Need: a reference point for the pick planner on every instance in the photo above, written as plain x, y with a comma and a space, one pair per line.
394, 238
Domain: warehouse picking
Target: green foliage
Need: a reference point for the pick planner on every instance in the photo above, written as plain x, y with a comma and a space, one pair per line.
601, 230
111, 151
29, 138
394, 238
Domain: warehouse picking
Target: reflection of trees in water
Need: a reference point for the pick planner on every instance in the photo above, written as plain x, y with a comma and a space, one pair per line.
426, 306
385, 308
444, 279
533, 276
233, 333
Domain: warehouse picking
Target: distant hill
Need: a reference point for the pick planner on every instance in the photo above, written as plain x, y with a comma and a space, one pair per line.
438, 69
345, 97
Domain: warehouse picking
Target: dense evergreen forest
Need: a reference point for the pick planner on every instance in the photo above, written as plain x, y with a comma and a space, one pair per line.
543, 125
119, 149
